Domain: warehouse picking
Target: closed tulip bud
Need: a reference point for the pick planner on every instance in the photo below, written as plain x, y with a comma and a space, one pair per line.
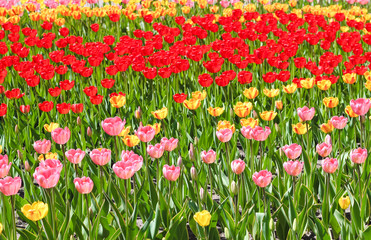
196, 140
226, 233
344, 202
177, 126
279, 105
234, 188
191, 153
35, 156
89, 132
27, 166
271, 224
180, 162
202, 194
138, 113
16, 130
78, 121
277, 127
294, 225
254, 114
20, 155
193, 173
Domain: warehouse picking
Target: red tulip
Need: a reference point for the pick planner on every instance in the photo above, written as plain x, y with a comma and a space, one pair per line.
46, 106
94, 27
3, 109
91, 91
25, 108
96, 100
67, 85
55, 92
205, 80
64, 108
77, 108
180, 97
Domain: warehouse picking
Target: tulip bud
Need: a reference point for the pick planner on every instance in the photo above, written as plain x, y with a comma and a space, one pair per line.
193, 173
35, 156
254, 114
226, 233
16, 130
177, 126
138, 113
180, 162
362, 118
78, 121
279, 105
234, 188
20, 155
271, 224
89, 132
202, 195
281, 152
277, 127
191, 153
27, 166
294, 225
196, 140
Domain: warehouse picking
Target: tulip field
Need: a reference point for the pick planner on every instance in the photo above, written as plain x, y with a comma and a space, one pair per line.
185, 119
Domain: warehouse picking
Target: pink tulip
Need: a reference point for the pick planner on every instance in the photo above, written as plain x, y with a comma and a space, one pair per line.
113, 126
238, 166
136, 160
42, 146
330, 165
305, 113
360, 106
124, 170
209, 156
224, 135
145, 134
262, 178
358, 155
292, 151
260, 134
10, 186
4, 166
52, 163
324, 149
83, 185
169, 144
246, 132
328, 139
100, 156
46, 177
224, 3
126, 155
75, 156
155, 151
60, 135
171, 173
363, 2
293, 168
339, 122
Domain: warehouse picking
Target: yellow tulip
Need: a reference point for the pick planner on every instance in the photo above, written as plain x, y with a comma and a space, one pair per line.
344, 202
324, 84
271, 92
49, 155
331, 102
156, 126
192, 104
160, 114
118, 101
242, 109
368, 85
349, 112
279, 105
350, 78
202, 218
36, 211
131, 140
268, 115
299, 128
226, 124
251, 93
125, 132
199, 95
308, 83
291, 88
50, 127
215, 112
249, 122
327, 127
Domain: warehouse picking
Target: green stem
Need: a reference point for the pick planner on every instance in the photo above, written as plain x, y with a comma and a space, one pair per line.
65, 174
252, 157
88, 214
127, 204
211, 182
12, 199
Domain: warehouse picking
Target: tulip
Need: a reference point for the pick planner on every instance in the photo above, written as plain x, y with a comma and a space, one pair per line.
251, 93
292, 151
327, 127
308, 83
262, 178
208, 157
4, 166
193, 173
35, 212
330, 102
169, 144
171, 173
202, 218
155, 151
324, 84
10, 186
279, 105
61, 136
46, 177
113, 126
124, 132
118, 101
130, 140
339, 122
305, 113
350, 78
344, 202
249, 122
75, 156
145, 134
360, 106
100, 156
291, 88
50, 127
330, 165
160, 114
299, 128
51, 163
260, 134
358, 155
271, 92
224, 135
238, 166
293, 168
215, 112
192, 104
268, 115
349, 112
225, 124
124, 170
242, 109
42, 146
49, 155
324, 149
199, 95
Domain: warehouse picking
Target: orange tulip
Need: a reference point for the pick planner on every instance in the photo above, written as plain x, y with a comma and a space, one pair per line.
225, 124
327, 127
279, 105
249, 122
308, 83
268, 115
349, 112
192, 104
350, 78
124, 131
199, 95
271, 92
160, 114
215, 112
331, 102
291, 88
324, 85
299, 128
251, 93
242, 109
131, 140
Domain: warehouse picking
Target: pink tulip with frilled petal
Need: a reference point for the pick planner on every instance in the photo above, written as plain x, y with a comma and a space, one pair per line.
339, 122
330, 165
155, 151
145, 134
61, 136
358, 155
305, 113
75, 156
246, 132
169, 144
46, 177
262, 178
52, 163
324, 149
238, 166
4, 166
124, 170
10, 186
260, 134
293, 168
292, 151
42, 146
209, 156
171, 173
100, 156
360, 106
113, 126
224, 135
83, 185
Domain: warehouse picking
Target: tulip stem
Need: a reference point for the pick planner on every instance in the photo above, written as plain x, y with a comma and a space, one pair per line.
12, 199
361, 128
293, 187
252, 157
116, 149
38, 231
127, 204
211, 182
88, 213
359, 180
65, 174
261, 155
